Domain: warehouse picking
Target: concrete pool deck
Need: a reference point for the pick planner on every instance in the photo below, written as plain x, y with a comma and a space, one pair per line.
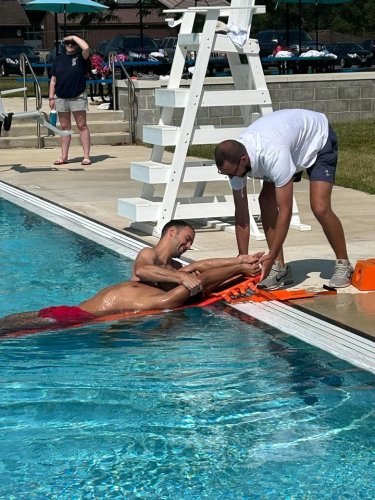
93, 191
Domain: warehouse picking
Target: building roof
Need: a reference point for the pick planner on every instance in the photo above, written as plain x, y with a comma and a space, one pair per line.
12, 14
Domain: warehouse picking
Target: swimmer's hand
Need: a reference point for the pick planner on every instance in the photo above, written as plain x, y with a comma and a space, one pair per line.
191, 283
251, 270
250, 259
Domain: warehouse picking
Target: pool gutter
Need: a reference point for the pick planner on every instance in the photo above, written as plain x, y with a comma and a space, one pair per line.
334, 339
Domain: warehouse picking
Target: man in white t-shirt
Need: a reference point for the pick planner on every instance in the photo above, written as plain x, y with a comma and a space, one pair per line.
277, 148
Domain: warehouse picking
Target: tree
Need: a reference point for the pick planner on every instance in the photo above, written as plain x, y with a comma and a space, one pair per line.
106, 16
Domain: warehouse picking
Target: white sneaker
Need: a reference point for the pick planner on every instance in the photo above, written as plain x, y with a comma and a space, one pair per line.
342, 274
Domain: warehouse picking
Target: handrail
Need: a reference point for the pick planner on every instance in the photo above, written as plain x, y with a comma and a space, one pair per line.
24, 61
133, 110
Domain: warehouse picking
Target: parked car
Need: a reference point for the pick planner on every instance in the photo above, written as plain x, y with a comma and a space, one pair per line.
350, 54
169, 46
132, 46
369, 45
10, 59
101, 48
269, 39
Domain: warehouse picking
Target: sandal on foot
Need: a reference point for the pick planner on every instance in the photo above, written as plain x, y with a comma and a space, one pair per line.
86, 161
60, 161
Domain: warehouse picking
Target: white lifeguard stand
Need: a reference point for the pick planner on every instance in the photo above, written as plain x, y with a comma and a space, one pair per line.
149, 213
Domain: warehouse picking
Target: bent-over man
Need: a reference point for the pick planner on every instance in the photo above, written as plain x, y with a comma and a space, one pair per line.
277, 148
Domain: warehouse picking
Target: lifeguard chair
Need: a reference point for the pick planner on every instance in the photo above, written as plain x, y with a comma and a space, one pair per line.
148, 212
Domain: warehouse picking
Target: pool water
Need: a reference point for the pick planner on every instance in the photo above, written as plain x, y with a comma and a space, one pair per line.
192, 404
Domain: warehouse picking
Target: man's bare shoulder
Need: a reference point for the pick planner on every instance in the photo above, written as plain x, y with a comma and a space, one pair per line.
147, 252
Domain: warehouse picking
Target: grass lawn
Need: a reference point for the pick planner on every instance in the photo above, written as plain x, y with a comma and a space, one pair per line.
356, 168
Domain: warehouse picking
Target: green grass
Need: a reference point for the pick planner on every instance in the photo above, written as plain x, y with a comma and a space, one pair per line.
356, 168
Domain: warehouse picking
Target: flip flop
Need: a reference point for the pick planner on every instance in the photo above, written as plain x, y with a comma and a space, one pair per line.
86, 161
60, 161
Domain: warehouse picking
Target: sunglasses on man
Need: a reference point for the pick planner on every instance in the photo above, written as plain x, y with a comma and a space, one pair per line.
71, 43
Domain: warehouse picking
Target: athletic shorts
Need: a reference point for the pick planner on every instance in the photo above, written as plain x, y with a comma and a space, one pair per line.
66, 315
78, 103
324, 168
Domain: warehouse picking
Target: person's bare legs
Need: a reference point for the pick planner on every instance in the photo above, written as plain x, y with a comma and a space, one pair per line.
136, 296
84, 133
65, 124
320, 202
24, 321
269, 214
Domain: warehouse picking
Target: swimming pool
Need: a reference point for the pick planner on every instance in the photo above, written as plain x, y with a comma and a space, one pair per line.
201, 403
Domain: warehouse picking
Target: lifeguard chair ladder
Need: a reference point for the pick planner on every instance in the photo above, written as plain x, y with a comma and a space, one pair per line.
149, 213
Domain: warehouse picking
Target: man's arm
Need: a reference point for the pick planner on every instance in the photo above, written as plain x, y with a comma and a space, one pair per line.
147, 269
206, 264
242, 220
284, 202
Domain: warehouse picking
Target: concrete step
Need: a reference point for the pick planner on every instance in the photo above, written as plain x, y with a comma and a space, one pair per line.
110, 138
29, 128
30, 141
106, 127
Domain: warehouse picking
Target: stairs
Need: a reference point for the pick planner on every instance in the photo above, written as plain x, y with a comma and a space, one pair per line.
106, 127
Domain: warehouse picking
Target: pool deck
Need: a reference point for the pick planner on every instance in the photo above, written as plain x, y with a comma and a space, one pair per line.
93, 191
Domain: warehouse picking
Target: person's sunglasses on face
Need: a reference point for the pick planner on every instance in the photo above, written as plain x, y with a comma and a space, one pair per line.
234, 173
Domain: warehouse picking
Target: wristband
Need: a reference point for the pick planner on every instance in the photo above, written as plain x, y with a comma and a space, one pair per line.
51, 99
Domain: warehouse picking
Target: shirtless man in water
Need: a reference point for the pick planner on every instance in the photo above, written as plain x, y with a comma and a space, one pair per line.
158, 282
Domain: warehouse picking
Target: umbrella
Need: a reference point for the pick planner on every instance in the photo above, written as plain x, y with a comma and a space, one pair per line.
317, 4
64, 7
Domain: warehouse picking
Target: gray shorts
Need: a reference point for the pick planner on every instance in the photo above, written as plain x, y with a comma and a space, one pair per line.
324, 168
78, 103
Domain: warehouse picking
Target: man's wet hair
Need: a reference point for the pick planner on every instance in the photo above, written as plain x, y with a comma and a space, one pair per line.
178, 224
230, 151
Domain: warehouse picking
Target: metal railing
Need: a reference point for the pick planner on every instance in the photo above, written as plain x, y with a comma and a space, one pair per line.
24, 64
132, 103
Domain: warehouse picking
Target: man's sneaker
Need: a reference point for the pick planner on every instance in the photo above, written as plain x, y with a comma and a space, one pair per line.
279, 276
341, 275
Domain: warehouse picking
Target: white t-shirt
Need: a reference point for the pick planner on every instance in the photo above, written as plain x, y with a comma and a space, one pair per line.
281, 144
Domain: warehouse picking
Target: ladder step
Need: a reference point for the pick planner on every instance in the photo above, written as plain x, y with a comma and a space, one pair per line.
139, 209
152, 172
179, 98
167, 135
142, 210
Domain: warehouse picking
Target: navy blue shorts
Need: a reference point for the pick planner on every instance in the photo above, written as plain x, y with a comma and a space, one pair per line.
324, 168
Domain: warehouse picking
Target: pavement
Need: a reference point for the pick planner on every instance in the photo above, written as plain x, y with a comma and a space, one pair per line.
93, 191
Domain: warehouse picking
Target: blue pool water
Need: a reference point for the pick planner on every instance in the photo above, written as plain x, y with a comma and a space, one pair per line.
193, 404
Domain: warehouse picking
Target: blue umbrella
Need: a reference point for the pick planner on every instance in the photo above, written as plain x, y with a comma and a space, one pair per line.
64, 7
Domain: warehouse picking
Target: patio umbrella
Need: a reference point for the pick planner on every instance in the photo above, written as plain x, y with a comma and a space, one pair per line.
317, 4
64, 7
